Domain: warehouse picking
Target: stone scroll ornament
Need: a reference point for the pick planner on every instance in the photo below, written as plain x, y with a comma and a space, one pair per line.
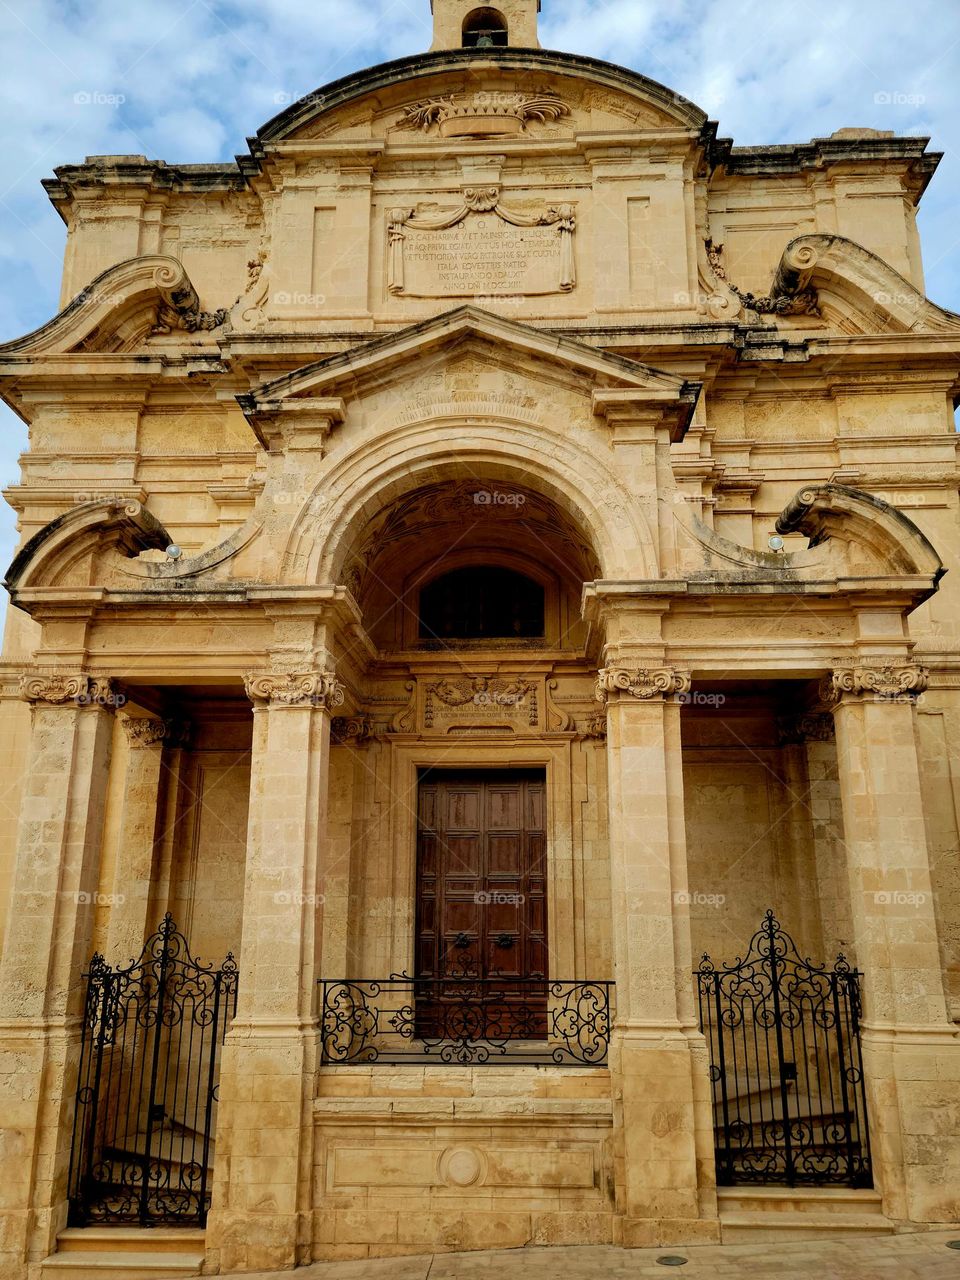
480, 200
644, 683
59, 689
319, 689
894, 681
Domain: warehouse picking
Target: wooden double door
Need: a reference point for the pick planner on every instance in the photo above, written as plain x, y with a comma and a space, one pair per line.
481, 943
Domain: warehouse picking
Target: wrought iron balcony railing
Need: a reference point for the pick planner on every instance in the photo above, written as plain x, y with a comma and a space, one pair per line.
466, 1021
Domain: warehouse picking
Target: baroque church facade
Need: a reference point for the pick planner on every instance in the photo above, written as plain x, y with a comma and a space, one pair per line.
480, 699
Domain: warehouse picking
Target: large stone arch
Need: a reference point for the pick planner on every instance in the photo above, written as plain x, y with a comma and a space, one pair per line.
510, 451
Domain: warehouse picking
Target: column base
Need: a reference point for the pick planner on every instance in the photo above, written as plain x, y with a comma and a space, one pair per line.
666, 1181
35, 1132
261, 1217
913, 1091
651, 1233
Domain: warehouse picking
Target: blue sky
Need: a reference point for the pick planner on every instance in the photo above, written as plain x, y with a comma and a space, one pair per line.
188, 80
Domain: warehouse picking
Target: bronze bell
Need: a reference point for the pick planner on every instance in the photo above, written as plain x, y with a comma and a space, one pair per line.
485, 40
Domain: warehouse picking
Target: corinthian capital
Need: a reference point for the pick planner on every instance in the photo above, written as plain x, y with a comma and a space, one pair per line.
147, 731
315, 688
646, 682
898, 681
57, 688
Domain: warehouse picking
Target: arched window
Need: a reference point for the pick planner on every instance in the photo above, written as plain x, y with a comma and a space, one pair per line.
484, 28
481, 602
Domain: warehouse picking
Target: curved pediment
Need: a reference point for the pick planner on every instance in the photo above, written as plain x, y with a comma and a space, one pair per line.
855, 539
69, 550
460, 93
120, 309
857, 292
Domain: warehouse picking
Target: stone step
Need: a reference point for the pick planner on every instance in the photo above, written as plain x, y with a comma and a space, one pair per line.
761, 1214
152, 1240
778, 1227
847, 1200
112, 1264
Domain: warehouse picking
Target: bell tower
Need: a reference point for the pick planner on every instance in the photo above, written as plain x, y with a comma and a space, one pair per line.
464, 24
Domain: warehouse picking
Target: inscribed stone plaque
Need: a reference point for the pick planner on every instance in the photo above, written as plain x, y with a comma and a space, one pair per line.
483, 254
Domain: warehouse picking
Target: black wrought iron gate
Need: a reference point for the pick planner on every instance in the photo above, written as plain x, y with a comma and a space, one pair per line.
147, 1086
788, 1088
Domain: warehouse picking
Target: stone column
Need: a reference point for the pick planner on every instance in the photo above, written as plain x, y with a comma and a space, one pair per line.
804, 877
262, 1208
911, 1050
143, 811
665, 1174
55, 882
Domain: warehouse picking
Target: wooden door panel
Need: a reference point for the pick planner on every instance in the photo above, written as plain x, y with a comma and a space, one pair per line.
462, 855
481, 905
504, 856
504, 809
462, 808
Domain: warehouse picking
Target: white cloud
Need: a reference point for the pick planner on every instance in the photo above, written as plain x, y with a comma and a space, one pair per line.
198, 76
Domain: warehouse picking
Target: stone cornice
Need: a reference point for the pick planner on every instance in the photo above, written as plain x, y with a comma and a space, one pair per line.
645, 682
895, 681
294, 689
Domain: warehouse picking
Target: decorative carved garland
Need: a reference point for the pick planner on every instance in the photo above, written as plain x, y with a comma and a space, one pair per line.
804, 303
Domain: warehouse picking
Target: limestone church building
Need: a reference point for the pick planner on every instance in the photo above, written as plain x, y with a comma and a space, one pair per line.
480, 700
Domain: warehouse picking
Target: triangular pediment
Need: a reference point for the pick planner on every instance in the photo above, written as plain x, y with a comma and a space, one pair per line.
473, 331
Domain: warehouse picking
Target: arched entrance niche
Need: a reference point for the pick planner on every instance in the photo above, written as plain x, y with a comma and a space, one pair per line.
409, 565
572, 500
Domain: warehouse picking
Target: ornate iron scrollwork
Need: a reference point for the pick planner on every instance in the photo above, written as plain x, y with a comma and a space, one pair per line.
466, 1020
786, 1067
141, 1149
